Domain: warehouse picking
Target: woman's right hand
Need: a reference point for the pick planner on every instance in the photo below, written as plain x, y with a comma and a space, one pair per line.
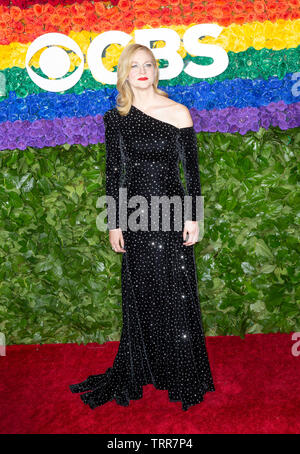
116, 240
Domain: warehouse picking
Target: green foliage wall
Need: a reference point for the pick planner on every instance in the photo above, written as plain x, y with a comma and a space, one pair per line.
61, 282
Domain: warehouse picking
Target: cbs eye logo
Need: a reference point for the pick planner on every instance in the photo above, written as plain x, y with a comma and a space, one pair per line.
55, 63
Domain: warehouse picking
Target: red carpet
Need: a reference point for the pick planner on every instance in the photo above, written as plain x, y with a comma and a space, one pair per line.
256, 380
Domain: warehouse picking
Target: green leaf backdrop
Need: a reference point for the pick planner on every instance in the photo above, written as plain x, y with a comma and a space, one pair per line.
61, 282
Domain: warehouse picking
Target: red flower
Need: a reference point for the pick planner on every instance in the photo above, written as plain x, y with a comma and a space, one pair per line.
38, 10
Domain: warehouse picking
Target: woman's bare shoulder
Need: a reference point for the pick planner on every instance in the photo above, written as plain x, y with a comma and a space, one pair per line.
183, 116
177, 114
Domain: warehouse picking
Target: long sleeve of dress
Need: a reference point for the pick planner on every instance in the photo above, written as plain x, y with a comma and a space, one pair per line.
188, 152
114, 166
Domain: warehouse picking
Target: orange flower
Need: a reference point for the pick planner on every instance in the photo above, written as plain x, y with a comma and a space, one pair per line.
117, 17
198, 17
174, 2
19, 27
77, 9
129, 15
38, 9
154, 23
98, 28
49, 28
49, 9
221, 3
142, 15
165, 12
30, 28
39, 29
251, 17
100, 8
186, 11
29, 15
124, 5
166, 20
88, 23
55, 19
78, 20
248, 8
153, 4
138, 4
281, 7
77, 28
177, 20
73, 10
13, 37
139, 24
185, 3
198, 8
237, 8
157, 14
16, 13
66, 22
272, 5
226, 11
262, 17
118, 26
240, 18
91, 18
88, 6
111, 13
187, 20
63, 13
176, 11
209, 18
6, 18
259, 7
292, 15
216, 12
127, 26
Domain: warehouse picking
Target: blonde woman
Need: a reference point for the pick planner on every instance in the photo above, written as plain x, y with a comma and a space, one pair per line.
162, 341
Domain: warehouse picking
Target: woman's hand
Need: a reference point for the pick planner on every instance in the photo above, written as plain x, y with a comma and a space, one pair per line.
192, 228
116, 240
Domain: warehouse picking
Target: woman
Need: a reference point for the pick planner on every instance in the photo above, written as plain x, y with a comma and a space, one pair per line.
162, 340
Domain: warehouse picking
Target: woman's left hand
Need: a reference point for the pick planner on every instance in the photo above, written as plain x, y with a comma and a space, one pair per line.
192, 228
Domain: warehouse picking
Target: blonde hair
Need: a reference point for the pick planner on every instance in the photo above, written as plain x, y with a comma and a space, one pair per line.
125, 95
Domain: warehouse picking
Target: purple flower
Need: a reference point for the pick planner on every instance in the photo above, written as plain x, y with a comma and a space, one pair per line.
90, 129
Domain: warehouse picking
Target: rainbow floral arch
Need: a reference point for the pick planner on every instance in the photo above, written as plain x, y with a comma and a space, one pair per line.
260, 87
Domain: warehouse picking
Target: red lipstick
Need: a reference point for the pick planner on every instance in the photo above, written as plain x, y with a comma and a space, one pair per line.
142, 78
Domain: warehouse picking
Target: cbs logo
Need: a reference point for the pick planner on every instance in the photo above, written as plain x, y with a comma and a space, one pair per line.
55, 62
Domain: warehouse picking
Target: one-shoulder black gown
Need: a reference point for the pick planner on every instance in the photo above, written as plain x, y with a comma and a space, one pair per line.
162, 340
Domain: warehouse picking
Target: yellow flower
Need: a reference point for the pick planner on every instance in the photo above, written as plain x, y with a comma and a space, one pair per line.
235, 38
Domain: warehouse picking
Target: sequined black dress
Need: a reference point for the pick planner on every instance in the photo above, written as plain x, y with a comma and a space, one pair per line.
162, 339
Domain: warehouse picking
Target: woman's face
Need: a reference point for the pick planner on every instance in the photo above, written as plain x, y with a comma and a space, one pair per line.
142, 70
